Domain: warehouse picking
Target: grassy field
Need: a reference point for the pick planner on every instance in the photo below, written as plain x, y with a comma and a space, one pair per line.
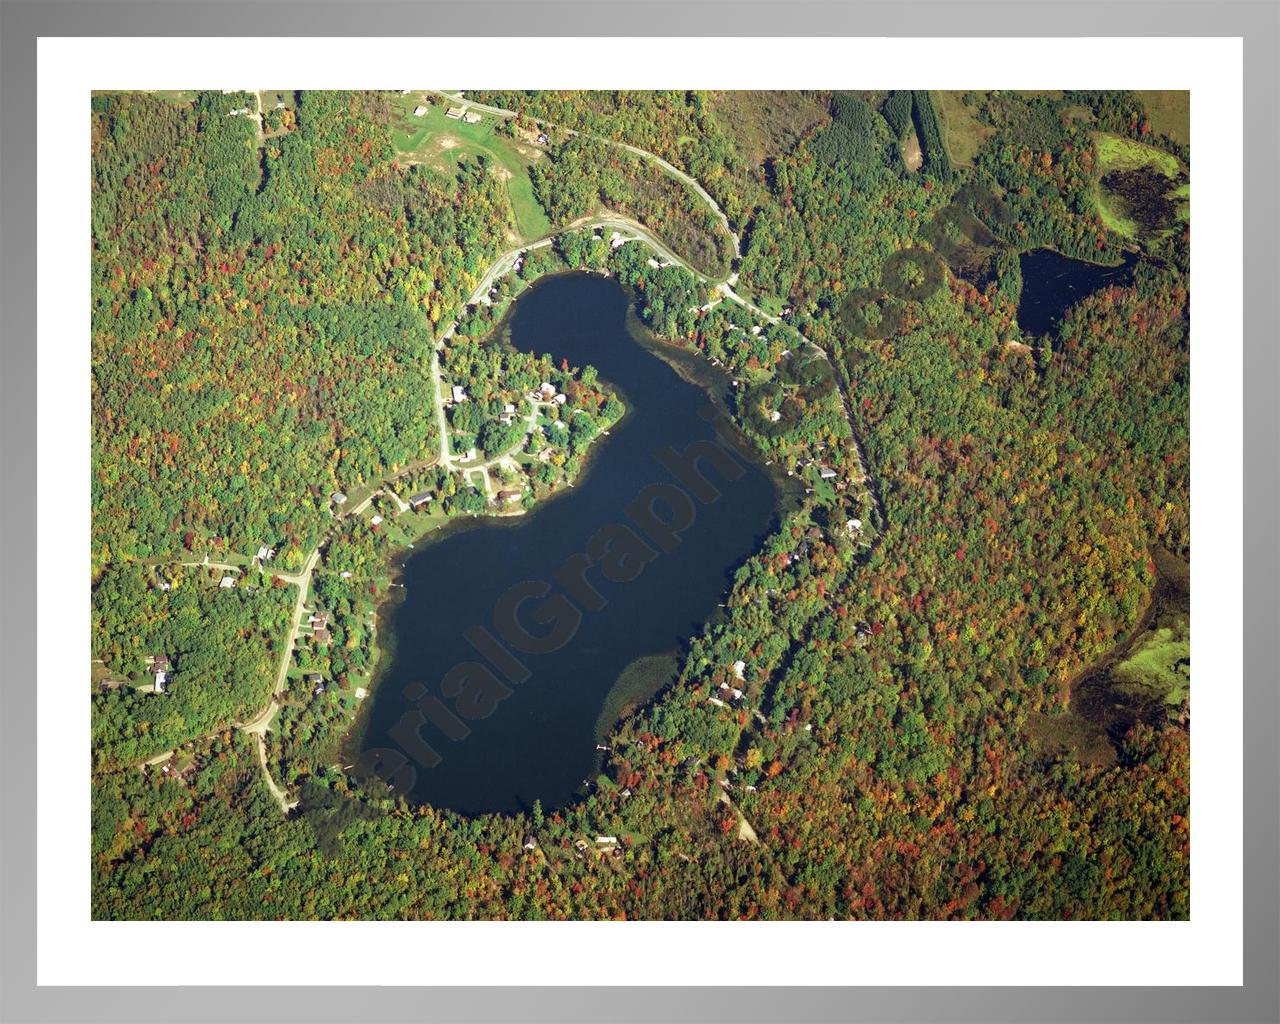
1169, 112
1160, 665
962, 133
270, 97
441, 143
1118, 155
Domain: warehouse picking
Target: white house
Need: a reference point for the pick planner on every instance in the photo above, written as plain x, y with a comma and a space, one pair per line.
419, 110
459, 394
739, 668
376, 520
226, 583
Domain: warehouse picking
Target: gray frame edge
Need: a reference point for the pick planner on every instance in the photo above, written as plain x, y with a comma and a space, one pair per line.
1258, 22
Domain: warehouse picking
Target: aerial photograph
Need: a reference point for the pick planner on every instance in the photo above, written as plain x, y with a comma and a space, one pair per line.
640, 505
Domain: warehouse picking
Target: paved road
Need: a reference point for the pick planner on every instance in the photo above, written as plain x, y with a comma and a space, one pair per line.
630, 231
644, 154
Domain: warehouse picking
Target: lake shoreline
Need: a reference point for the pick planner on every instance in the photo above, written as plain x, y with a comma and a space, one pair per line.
714, 384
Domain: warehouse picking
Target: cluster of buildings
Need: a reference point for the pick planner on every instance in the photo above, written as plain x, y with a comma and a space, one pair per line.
546, 392
462, 114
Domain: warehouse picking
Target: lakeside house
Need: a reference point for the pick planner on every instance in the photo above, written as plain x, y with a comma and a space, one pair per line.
545, 393
419, 500
509, 496
530, 843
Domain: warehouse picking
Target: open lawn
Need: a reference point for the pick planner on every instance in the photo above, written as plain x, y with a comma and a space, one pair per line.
962, 133
1169, 112
442, 143
273, 97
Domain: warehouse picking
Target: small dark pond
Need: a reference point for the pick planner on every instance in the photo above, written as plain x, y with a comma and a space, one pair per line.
1052, 283
453, 660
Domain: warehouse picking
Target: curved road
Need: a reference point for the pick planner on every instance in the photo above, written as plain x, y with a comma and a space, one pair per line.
630, 231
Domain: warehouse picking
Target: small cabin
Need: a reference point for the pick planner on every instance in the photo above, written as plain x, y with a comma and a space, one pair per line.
419, 110
419, 500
